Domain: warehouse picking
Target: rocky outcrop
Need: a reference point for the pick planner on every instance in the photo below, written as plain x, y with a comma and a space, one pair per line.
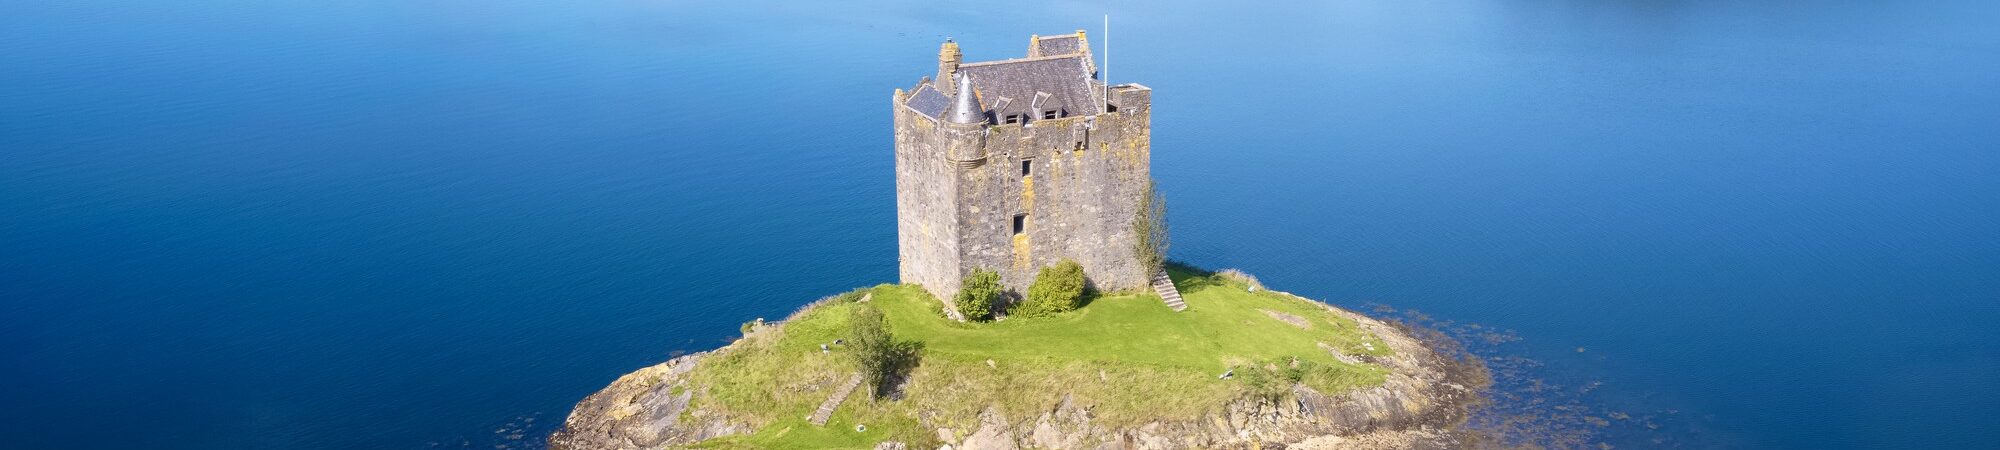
643, 409
1424, 401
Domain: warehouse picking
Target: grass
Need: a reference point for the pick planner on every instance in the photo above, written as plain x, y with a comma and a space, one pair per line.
1127, 355
799, 434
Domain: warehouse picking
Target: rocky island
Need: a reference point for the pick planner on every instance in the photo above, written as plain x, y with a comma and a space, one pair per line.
1036, 310
1123, 371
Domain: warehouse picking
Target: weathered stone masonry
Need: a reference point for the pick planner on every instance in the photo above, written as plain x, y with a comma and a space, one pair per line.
1037, 143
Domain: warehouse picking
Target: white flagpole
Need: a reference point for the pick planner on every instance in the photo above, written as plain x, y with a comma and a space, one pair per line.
1107, 63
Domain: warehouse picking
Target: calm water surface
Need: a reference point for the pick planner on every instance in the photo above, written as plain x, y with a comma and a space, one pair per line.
404, 224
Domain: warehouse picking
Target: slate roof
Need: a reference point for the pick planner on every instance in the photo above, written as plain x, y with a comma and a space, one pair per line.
1060, 79
928, 100
1065, 79
1058, 45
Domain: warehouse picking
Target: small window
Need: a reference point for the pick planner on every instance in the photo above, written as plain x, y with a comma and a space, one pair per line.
1027, 168
1051, 114
1013, 118
1110, 108
1020, 223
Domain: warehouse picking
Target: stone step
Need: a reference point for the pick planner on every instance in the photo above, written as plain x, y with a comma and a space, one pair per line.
832, 402
1164, 285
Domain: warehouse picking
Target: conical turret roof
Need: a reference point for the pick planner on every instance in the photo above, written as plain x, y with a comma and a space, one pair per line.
965, 107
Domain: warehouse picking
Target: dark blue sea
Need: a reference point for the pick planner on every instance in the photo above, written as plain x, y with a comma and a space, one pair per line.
440, 223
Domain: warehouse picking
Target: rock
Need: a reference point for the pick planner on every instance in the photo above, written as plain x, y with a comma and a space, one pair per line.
640, 410
993, 434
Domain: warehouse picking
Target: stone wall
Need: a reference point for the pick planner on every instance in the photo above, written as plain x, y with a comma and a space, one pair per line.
1083, 189
926, 217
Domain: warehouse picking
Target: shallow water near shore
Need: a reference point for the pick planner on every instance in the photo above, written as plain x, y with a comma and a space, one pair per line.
429, 224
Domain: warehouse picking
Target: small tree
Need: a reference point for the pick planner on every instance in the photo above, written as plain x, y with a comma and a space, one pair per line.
977, 295
1149, 230
876, 353
1057, 289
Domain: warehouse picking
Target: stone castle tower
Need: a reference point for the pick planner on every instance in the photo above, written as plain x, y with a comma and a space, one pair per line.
1015, 164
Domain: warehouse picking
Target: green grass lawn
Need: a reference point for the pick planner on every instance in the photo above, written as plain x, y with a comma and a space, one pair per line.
1224, 326
1128, 355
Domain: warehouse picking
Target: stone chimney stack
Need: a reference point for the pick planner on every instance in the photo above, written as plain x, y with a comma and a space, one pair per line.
948, 59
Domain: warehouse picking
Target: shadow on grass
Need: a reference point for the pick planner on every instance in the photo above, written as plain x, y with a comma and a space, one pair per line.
1189, 278
909, 356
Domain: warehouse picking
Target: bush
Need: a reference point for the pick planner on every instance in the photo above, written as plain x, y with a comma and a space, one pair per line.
1149, 230
1057, 289
877, 354
977, 295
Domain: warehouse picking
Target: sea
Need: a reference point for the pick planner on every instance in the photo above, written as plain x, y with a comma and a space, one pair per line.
238, 224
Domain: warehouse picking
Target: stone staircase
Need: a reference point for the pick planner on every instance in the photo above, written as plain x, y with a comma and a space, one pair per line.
1168, 293
832, 402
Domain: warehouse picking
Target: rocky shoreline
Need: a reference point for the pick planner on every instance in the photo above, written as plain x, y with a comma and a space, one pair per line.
1423, 404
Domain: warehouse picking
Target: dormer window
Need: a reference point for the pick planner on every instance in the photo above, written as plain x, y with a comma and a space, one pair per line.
1041, 98
1051, 114
1013, 118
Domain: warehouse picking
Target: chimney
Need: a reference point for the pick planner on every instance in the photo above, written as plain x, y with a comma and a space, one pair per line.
948, 59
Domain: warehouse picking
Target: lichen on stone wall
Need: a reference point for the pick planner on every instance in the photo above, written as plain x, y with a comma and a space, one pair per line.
1028, 193
1021, 251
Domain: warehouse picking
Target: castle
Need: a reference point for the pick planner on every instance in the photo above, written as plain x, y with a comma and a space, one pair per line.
1016, 164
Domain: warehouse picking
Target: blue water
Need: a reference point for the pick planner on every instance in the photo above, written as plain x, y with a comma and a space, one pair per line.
405, 224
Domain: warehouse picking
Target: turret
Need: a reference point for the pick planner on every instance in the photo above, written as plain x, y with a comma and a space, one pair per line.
966, 107
965, 125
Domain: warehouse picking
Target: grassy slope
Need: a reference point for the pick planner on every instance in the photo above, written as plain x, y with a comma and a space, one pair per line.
1128, 355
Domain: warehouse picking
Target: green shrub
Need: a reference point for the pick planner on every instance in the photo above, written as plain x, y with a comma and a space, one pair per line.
1057, 289
878, 356
1149, 228
977, 295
